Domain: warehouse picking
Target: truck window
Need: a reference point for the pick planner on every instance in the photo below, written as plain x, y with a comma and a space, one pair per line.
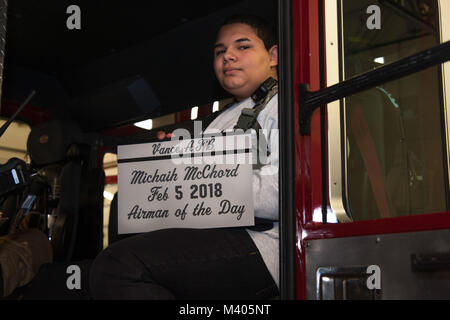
394, 136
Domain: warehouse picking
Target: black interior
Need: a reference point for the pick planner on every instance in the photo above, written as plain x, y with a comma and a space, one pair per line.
130, 61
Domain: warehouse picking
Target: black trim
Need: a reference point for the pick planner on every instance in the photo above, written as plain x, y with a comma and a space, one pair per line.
445, 137
345, 201
323, 114
310, 101
261, 93
288, 267
1, 282
442, 105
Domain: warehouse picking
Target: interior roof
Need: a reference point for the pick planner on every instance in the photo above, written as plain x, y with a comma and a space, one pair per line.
130, 60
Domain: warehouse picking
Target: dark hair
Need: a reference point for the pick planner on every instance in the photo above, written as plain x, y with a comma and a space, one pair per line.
263, 29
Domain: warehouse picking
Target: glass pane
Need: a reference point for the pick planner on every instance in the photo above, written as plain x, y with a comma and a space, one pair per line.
395, 145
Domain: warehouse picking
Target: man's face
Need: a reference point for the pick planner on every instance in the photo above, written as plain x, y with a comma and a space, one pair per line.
241, 62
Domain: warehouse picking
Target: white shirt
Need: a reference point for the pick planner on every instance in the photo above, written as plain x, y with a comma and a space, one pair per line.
265, 179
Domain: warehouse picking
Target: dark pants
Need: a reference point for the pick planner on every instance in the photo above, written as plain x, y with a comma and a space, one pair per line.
182, 264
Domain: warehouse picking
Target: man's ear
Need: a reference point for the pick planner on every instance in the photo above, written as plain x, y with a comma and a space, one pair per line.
273, 53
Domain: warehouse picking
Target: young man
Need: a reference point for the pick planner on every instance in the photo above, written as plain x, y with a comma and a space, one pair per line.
223, 263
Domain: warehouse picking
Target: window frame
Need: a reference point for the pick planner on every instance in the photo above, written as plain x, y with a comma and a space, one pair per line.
337, 148
444, 24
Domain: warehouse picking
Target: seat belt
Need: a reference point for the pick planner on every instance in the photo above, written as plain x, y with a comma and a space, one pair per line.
248, 120
248, 117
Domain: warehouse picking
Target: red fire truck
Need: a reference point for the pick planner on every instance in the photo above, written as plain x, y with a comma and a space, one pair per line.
363, 119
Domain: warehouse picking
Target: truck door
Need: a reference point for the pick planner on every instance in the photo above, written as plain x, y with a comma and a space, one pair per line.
385, 232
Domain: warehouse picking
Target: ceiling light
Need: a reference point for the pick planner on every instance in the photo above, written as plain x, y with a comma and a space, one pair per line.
194, 113
108, 195
215, 106
379, 60
146, 124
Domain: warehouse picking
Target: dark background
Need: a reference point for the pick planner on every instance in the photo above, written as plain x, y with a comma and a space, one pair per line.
130, 61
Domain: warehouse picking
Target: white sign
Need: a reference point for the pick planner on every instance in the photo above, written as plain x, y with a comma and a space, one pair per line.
195, 183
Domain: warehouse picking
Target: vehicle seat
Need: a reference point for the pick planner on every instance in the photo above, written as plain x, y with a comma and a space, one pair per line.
60, 151
113, 234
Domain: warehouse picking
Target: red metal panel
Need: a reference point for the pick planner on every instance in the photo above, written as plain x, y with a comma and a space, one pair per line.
423, 222
204, 110
111, 180
183, 115
31, 114
307, 148
123, 131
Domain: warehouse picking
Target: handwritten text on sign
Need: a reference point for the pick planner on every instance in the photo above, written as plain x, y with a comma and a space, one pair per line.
197, 183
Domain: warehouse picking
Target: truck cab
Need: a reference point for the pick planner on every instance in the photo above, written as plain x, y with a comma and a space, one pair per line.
363, 120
